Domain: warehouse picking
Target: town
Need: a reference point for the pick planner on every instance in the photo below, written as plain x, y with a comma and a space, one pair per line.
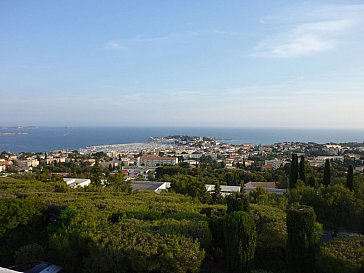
139, 161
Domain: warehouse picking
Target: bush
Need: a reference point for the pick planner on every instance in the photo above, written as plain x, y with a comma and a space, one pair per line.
29, 254
240, 240
342, 255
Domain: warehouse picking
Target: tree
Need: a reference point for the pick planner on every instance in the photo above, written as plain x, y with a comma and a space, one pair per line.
293, 176
311, 181
96, 174
302, 239
350, 178
340, 209
327, 173
302, 170
237, 202
118, 183
240, 240
216, 195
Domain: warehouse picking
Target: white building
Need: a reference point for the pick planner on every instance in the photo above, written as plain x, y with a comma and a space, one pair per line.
155, 161
28, 163
77, 182
157, 187
134, 171
224, 189
273, 164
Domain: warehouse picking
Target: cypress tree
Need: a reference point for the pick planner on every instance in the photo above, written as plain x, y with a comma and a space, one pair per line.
312, 181
240, 241
293, 176
327, 173
302, 239
216, 195
237, 202
350, 178
96, 174
302, 169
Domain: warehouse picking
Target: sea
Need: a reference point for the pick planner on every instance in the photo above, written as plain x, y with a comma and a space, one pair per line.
46, 139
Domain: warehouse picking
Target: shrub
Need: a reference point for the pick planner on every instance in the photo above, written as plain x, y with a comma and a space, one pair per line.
29, 254
342, 255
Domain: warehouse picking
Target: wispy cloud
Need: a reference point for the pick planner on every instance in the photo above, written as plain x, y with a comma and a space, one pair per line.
142, 40
316, 31
115, 45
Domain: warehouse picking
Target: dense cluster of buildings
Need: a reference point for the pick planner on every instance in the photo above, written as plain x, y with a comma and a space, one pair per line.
139, 161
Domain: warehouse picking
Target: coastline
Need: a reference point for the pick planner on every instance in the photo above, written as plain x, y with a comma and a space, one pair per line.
44, 139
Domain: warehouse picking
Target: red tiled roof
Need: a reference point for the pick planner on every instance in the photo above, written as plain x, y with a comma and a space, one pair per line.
264, 184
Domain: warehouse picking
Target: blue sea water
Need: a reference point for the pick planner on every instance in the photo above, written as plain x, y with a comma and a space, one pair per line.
53, 138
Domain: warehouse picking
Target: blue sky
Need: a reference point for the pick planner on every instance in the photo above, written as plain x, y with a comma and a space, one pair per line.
182, 63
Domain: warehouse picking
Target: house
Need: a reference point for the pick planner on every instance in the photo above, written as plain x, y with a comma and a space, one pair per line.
28, 163
134, 171
273, 164
270, 187
359, 169
52, 160
4, 164
155, 161
157, 187
6, 270
77, 182
224, 189
39, 267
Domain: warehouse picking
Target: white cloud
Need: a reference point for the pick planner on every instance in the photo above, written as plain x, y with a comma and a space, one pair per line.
122, 44
116, 45
316, 31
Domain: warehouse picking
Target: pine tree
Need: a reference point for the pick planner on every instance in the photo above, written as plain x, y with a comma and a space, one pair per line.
240, 240
293, 176
327, 173
302, 239
302, 169
350, 178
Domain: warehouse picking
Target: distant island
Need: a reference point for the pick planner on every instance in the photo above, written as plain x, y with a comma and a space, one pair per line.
13, 133
17, 127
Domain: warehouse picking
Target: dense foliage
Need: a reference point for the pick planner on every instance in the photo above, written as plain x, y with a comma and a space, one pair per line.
109, 229
240, 240
302, 239
88, 231
342, 255
237, 202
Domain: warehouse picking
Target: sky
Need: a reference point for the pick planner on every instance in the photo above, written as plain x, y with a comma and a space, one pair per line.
208, 63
